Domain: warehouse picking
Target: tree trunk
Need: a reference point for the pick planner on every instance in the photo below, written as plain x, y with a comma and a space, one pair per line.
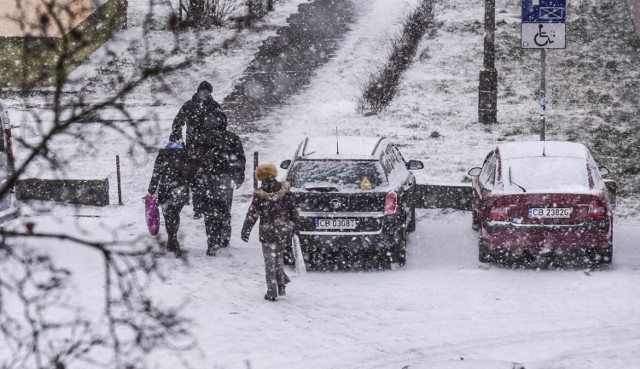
196, 13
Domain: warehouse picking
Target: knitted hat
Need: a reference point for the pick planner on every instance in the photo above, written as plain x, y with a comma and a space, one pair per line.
174, 145
266, 171
205, 86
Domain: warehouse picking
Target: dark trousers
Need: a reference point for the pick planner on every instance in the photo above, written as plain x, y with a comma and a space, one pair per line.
218, 199
171, 212
198, 192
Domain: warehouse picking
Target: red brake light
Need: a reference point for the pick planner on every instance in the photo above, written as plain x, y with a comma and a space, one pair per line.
597, 210
390, 203
499, 211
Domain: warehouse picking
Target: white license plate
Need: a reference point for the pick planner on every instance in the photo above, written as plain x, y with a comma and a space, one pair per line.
549, 212
331, 223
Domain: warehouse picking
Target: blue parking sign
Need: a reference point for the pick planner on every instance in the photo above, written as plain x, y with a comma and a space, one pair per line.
544, 11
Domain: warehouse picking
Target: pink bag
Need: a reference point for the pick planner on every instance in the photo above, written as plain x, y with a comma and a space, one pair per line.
152, 215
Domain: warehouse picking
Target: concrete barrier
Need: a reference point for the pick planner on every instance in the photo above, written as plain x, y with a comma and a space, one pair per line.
70, 191
432, 196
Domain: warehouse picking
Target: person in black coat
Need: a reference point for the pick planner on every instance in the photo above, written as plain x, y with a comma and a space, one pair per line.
276, 208
170, 178
200, 115
221, 163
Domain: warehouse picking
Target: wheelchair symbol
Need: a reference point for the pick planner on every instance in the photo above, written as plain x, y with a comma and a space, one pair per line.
543, 36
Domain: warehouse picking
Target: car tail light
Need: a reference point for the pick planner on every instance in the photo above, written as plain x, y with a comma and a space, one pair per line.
597, 210
499, 211
390, 203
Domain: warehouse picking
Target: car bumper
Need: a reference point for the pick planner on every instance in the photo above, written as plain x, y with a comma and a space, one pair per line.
379, 239
514, 237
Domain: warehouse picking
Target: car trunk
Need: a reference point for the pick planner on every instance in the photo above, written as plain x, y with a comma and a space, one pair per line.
365, 209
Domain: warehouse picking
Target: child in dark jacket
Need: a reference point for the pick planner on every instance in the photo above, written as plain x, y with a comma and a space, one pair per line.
276, 208
170, 177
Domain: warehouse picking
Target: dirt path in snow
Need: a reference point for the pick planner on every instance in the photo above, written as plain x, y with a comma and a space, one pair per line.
285, 63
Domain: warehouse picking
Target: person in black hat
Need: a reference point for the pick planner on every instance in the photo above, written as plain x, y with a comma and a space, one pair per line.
216, 163
198, 114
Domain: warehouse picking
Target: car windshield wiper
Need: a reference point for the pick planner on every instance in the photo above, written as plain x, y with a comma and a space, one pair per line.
513, 183
321, 188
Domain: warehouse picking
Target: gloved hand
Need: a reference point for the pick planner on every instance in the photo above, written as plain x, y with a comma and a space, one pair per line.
245, 237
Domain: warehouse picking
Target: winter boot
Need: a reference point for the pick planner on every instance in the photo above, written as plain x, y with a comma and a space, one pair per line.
178, 252
269, 298
211, 250
282, 290
172, 244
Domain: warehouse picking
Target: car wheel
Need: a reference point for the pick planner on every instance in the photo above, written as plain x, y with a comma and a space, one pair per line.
604, 257
412, 222
399, 252
484, 256
475, 223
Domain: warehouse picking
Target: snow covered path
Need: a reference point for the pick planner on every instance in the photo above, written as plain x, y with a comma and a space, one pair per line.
441, 306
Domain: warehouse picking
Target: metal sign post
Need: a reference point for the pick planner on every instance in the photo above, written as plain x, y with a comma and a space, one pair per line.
543, 27
543, 87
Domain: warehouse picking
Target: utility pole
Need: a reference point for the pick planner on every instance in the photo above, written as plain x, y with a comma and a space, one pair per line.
488, 87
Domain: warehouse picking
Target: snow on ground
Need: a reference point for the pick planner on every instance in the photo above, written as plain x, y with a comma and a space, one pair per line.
438, 308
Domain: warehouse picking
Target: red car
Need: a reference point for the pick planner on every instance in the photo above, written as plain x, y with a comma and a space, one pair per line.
542, 199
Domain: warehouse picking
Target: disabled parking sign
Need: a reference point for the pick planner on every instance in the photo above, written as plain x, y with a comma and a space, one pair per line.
543, 36
543, 24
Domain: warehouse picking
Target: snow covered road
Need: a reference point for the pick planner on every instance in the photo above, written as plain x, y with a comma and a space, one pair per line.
443, 305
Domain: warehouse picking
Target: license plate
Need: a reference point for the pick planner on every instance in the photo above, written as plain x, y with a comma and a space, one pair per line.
331, 223
549, 212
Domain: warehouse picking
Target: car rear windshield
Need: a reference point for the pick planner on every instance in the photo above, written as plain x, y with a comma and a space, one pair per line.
549, 174
336, 174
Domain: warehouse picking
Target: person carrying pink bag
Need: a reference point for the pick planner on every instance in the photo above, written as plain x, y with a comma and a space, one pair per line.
171, 179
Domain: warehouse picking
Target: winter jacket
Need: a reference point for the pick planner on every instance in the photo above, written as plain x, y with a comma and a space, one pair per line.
170, 176
275, 205
201, 115
221, 153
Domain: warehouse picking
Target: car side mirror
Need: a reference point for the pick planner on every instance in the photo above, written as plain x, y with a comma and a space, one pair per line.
285, 164
415, 165
474, 172
604, 172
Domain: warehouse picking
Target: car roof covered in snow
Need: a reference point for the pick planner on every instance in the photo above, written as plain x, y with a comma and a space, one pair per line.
512, 150
342, 147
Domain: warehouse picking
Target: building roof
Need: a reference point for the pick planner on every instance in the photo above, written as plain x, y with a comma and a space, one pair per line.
24, 18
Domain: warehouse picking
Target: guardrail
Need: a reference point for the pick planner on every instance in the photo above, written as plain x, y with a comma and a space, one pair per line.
453, 196
70, 191
96, 193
